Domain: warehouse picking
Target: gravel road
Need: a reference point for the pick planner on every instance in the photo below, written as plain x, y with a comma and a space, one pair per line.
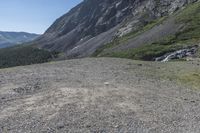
101, 95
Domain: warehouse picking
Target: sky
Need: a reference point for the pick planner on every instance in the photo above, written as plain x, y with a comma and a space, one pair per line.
33, 16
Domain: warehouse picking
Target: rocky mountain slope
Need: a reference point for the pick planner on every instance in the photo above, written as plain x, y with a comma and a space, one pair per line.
94, 23
166, 35
8, 39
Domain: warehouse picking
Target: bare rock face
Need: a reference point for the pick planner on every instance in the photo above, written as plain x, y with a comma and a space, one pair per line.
93, 23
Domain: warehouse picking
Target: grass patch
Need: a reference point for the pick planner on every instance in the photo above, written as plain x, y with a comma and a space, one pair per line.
190, 79
190, 17
146, 52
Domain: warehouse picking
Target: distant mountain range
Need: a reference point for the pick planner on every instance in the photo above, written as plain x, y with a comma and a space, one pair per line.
8, 39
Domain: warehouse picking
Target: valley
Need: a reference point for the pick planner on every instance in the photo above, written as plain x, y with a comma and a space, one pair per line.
105, 66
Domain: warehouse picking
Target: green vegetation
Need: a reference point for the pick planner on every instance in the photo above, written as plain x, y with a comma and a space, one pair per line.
189, 35
147, 52
24, 55
183, 73
190, 17
191, 79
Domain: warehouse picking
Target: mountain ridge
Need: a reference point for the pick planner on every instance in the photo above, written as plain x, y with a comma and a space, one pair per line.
8, 38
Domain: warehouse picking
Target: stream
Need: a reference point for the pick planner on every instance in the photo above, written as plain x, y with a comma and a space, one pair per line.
179, 54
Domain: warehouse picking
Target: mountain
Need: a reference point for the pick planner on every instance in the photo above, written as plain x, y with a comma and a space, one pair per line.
8, 39
151, 30
93, 24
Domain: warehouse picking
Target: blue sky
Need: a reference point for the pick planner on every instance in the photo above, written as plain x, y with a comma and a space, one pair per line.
33, 16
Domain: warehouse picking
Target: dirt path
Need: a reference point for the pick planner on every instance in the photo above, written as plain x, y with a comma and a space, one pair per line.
95, 95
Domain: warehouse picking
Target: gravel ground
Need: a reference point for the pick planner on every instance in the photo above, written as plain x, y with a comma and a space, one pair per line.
97, 95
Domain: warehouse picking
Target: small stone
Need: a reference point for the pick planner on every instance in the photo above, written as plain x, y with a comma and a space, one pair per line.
106, 83
3, 98
60, 125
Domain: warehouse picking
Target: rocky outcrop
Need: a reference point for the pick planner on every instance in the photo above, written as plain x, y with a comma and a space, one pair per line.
93, 23
182, 53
